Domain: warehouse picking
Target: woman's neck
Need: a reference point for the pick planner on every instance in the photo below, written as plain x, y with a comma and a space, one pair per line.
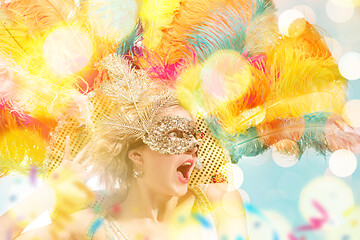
144, 202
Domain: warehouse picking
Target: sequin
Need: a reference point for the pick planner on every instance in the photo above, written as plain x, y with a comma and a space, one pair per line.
172, 135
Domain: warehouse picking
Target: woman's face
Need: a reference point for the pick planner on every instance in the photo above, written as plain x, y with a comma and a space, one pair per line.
166, 173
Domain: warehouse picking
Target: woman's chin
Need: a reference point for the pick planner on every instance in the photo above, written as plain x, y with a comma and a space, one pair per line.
179, 190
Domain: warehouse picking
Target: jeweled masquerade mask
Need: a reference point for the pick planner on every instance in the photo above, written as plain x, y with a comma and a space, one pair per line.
172, 135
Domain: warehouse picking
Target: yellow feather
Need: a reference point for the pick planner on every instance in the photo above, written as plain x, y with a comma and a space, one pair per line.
188, 89
20, 149
302, 84
156, 16
40, 14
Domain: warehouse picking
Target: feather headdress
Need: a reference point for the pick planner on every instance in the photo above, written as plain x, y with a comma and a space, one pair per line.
253, 86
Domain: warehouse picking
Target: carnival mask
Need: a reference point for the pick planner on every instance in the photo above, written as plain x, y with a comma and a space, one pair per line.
172, 135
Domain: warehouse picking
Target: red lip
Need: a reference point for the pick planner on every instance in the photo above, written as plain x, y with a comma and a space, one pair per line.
184, 171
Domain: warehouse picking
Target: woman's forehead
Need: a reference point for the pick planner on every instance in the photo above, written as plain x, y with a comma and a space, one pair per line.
179, 112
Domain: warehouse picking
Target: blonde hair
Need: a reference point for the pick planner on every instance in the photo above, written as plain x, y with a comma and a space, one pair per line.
138, 104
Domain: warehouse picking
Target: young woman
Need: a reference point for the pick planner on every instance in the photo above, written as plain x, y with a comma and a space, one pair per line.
144, 152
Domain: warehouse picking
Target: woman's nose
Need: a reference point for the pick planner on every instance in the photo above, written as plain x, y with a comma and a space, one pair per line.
192, 151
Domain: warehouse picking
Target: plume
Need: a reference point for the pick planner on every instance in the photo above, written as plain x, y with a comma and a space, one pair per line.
40, 15
318, 130
262, 30
127, 46
156, 15
192, 14
223, 30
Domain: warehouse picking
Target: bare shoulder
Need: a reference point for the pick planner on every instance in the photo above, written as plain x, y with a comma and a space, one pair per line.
220, 192
70, 229
228, 209
80, 222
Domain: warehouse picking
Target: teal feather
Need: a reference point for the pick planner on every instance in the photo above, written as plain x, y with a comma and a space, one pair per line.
224, 30
250, 143
246, 144
126, 46
314, 132
260, 8
227, 29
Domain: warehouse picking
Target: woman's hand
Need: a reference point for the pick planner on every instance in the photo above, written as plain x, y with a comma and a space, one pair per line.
79, 165
68, 181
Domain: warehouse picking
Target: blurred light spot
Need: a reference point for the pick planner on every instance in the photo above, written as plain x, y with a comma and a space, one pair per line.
346, 228
97, 208
112, 17
116, 208
308, 13
342, 163
238, 176
41, 221
256, 161
6, 83
292, 23
351, 112
12, 198
356, 2
340, 12
333, 194
32, 176
285, 153
67, 50
346, 33
334, 47
94, 184
230, 204
280, 224
328, 173
274, 196
95, 226
181, 219
349, 65
244, 195
202, 220
258, 225
223, 73
291, 183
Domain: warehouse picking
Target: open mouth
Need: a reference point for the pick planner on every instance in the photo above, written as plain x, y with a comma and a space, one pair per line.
184, 171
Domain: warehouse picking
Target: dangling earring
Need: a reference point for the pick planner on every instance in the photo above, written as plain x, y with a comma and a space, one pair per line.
138, 173
198, 164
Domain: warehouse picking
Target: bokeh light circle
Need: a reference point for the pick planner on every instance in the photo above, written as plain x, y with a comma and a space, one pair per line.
342, 163
291, 184
230, 204
67, 50
6, 84
308, 13
331, 193
280, 224
259, 225
334, 47
223, 74
351, 112
291, 23
244, 195
349, 65
238, 176
114, 18
349, 228
340, 11
285, 153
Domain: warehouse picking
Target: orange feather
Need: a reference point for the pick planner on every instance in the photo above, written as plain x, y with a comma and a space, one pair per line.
192, 13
